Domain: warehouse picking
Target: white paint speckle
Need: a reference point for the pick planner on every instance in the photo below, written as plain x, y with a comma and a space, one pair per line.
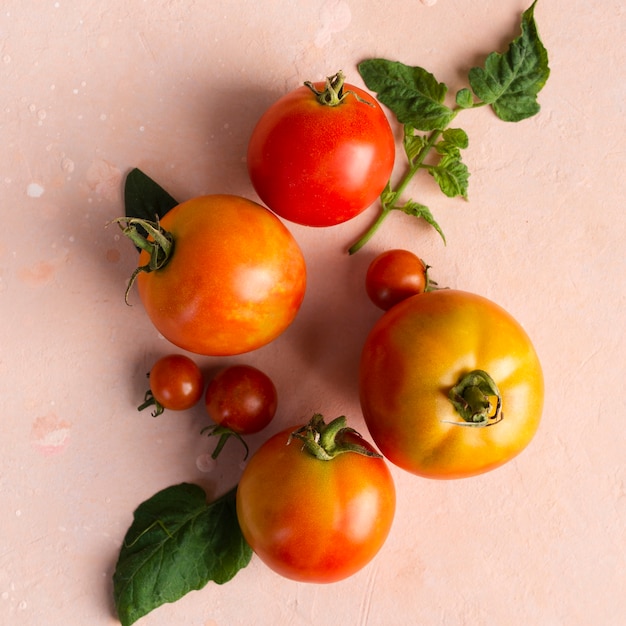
206, 463
6, 58
34, 190
67, 165
142, 128
335, 16
429, 3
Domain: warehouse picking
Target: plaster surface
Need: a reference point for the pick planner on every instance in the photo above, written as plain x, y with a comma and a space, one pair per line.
90, 90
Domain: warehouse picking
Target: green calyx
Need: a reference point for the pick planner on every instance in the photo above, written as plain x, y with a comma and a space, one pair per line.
326, 441
334, 93
150, 400
148, 236
224, 435
476, 398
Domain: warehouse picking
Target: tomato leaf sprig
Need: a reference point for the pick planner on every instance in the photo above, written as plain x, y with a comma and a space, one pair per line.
508, 82
177, 543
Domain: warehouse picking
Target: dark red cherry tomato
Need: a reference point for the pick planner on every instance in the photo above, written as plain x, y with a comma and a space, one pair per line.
395, 275
242, 398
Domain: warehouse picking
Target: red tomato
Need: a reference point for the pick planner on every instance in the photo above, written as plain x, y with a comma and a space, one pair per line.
176, 383
395, 275
233, 282
241, 398
450, 385
315, 520
321, 164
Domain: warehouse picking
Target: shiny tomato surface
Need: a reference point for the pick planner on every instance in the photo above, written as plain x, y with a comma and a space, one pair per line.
417, 353
176, 382
320, 165
242, 398
313, 520
235, 280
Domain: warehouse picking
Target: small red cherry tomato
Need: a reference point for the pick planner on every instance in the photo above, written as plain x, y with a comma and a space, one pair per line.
395, 275
176, 383
241, 398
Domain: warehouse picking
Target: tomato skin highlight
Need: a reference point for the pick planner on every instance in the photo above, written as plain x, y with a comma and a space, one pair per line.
235, 280
242, 398
416, 353
176, 382
320, 165
311, 520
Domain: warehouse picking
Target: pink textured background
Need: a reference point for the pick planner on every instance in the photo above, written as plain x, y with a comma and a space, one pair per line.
90, 89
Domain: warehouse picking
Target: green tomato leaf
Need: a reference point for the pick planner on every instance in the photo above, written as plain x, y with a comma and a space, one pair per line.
177, 543
451, 175
416, 209
413, 144
464, 98
411, 93
453, 140
145, 199
510, 82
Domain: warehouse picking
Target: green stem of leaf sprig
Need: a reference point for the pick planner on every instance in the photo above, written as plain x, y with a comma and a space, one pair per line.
508, 82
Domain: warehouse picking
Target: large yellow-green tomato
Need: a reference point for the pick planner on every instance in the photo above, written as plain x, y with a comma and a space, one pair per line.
450, 385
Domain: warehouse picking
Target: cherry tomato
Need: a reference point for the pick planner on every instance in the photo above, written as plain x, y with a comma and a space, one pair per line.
321, 154
450, 385
176, 383
233, 279
395, 275
241, 398
315, 520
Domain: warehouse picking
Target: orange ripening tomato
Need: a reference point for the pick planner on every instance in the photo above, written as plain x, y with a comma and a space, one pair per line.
450, 385
233, 280
312, 516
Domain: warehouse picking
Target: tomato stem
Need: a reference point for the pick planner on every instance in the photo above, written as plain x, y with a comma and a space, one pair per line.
150, 400
159, 244
326, 441
390, 197
473, 399
334, 93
